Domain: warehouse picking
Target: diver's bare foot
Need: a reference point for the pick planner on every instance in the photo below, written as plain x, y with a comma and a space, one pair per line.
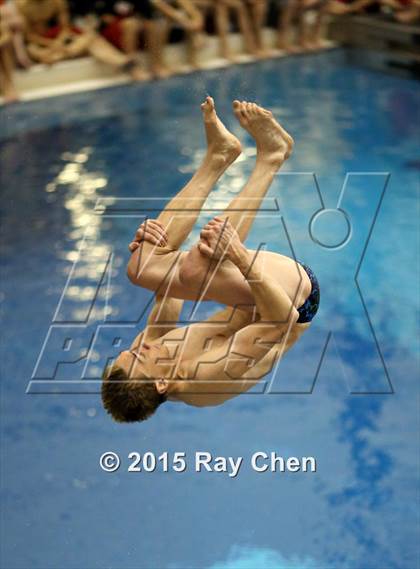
223, 146
274, 144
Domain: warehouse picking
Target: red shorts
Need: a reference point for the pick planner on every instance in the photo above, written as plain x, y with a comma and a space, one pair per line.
55, 31
113, 32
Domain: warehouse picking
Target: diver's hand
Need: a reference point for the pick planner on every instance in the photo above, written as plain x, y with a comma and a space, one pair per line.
219, 239
151, 231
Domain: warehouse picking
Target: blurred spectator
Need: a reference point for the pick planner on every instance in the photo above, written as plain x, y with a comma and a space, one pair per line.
225, 9
119, 24
185, 15
52, 38
122, 23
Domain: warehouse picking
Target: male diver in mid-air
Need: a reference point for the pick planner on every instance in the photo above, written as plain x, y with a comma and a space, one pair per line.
270, 298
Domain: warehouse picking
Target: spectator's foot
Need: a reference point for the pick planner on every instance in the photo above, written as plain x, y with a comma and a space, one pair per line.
231, 57
162, 72
265, 53
274, 144
318, 44
195, 65
139, 74
293, 49
311, 45
287, 45
222, 144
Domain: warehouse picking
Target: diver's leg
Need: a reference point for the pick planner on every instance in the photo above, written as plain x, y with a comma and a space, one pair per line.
149, 266
274, 146
222, 149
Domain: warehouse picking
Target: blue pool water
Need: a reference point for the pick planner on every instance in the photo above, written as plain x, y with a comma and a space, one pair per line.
347, 394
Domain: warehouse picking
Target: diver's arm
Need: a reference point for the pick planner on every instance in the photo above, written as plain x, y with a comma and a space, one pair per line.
253, 342
163, 317
272, 302
219, 240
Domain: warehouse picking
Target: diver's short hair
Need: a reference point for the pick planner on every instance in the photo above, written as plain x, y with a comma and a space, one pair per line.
129, 400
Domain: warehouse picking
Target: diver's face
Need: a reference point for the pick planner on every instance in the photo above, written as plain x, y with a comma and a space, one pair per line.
150, 360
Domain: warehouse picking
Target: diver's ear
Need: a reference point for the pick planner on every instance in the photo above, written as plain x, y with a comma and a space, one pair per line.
161, 385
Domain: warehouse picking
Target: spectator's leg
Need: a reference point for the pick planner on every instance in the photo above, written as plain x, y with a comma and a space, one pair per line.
287, 13
318, 40
245, 27
156, 33
304, 28
258, 9
80, 45
130, 32
7, 86
107, 53
20, 49
222, 24
130, 28
192, 40
44, 54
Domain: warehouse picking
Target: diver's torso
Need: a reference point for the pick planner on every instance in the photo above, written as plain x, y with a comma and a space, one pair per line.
210, 393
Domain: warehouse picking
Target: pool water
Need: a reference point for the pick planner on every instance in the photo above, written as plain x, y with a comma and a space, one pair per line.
347, 394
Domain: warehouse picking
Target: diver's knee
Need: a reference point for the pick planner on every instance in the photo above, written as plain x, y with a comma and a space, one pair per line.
135, 272
190, 271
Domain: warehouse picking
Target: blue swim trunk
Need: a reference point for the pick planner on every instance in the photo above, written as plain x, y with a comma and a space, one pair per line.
310, 307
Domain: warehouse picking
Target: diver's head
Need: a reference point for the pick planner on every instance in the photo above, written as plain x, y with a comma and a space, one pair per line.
137, 383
